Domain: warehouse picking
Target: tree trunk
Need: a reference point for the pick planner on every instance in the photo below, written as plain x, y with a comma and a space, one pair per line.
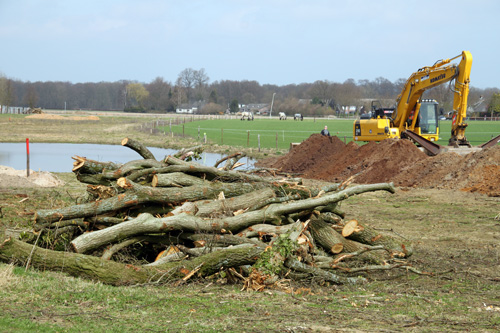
78, 265
85, 165
231, 161
322, 274
221, 240
175, 179
93, 179
146, 223
138, 147
212, 172
110, 272
227, 206
328, 238
138, 194
397, 245
259, 230
132, 166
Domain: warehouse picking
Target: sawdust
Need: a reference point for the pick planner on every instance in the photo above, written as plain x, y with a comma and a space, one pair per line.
12, 178
391, 160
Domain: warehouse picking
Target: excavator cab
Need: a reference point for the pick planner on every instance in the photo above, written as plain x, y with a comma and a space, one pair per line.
428, 120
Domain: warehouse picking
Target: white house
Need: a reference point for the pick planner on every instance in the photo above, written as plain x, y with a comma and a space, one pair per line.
187, 110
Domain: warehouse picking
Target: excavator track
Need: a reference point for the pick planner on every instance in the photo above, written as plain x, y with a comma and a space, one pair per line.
490, 143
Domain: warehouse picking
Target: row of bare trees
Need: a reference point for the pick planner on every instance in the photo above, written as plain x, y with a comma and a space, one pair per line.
192, 87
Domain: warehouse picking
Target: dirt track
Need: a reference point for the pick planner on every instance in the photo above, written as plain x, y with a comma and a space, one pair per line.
398, 161
59, 117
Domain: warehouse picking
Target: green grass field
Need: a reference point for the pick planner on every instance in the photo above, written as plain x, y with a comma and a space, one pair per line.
235, 132
478, 131
274, 133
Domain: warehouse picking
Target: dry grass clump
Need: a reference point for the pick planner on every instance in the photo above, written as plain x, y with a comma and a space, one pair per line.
7, 277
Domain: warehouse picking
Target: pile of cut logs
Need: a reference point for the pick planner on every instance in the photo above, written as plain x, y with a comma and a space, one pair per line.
170, 220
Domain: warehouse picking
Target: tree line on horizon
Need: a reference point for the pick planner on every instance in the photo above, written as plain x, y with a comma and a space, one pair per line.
193, 89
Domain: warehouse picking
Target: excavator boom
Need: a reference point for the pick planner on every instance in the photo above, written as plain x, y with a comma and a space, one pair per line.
411, 117
408, 101
461, 94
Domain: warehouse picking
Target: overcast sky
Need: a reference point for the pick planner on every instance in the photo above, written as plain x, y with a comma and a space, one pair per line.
272, 41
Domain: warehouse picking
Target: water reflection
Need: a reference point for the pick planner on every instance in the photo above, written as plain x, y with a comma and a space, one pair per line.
56, 157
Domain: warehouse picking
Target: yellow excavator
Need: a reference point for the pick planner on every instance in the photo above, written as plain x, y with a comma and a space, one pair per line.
418, 119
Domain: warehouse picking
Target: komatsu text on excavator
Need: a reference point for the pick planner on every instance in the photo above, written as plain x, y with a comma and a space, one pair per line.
417, 119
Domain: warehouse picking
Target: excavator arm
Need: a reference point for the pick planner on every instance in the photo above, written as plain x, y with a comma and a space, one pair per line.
413, 117
461, 93
408, 102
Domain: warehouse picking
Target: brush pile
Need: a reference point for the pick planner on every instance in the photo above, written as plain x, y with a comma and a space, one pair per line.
162, 221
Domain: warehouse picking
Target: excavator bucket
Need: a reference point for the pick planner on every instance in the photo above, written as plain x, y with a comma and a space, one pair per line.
432, 148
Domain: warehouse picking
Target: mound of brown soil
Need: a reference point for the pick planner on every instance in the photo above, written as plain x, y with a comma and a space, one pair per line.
309, 154
329, 159
475, 172
392, 160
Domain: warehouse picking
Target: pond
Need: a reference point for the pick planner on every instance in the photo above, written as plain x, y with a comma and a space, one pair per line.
56, 157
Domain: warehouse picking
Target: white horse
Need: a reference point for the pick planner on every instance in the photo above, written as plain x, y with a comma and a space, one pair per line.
282, 115
247, 115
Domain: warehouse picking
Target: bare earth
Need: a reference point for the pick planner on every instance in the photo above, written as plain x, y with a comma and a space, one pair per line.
11, 178
398, 161
55, 116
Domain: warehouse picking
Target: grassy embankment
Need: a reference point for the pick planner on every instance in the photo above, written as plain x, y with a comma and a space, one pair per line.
106, 130
463, 296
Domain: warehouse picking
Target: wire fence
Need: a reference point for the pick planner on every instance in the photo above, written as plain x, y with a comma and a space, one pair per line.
261, 138
268, 138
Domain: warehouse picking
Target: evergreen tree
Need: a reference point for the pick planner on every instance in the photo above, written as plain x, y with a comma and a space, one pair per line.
234, 107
